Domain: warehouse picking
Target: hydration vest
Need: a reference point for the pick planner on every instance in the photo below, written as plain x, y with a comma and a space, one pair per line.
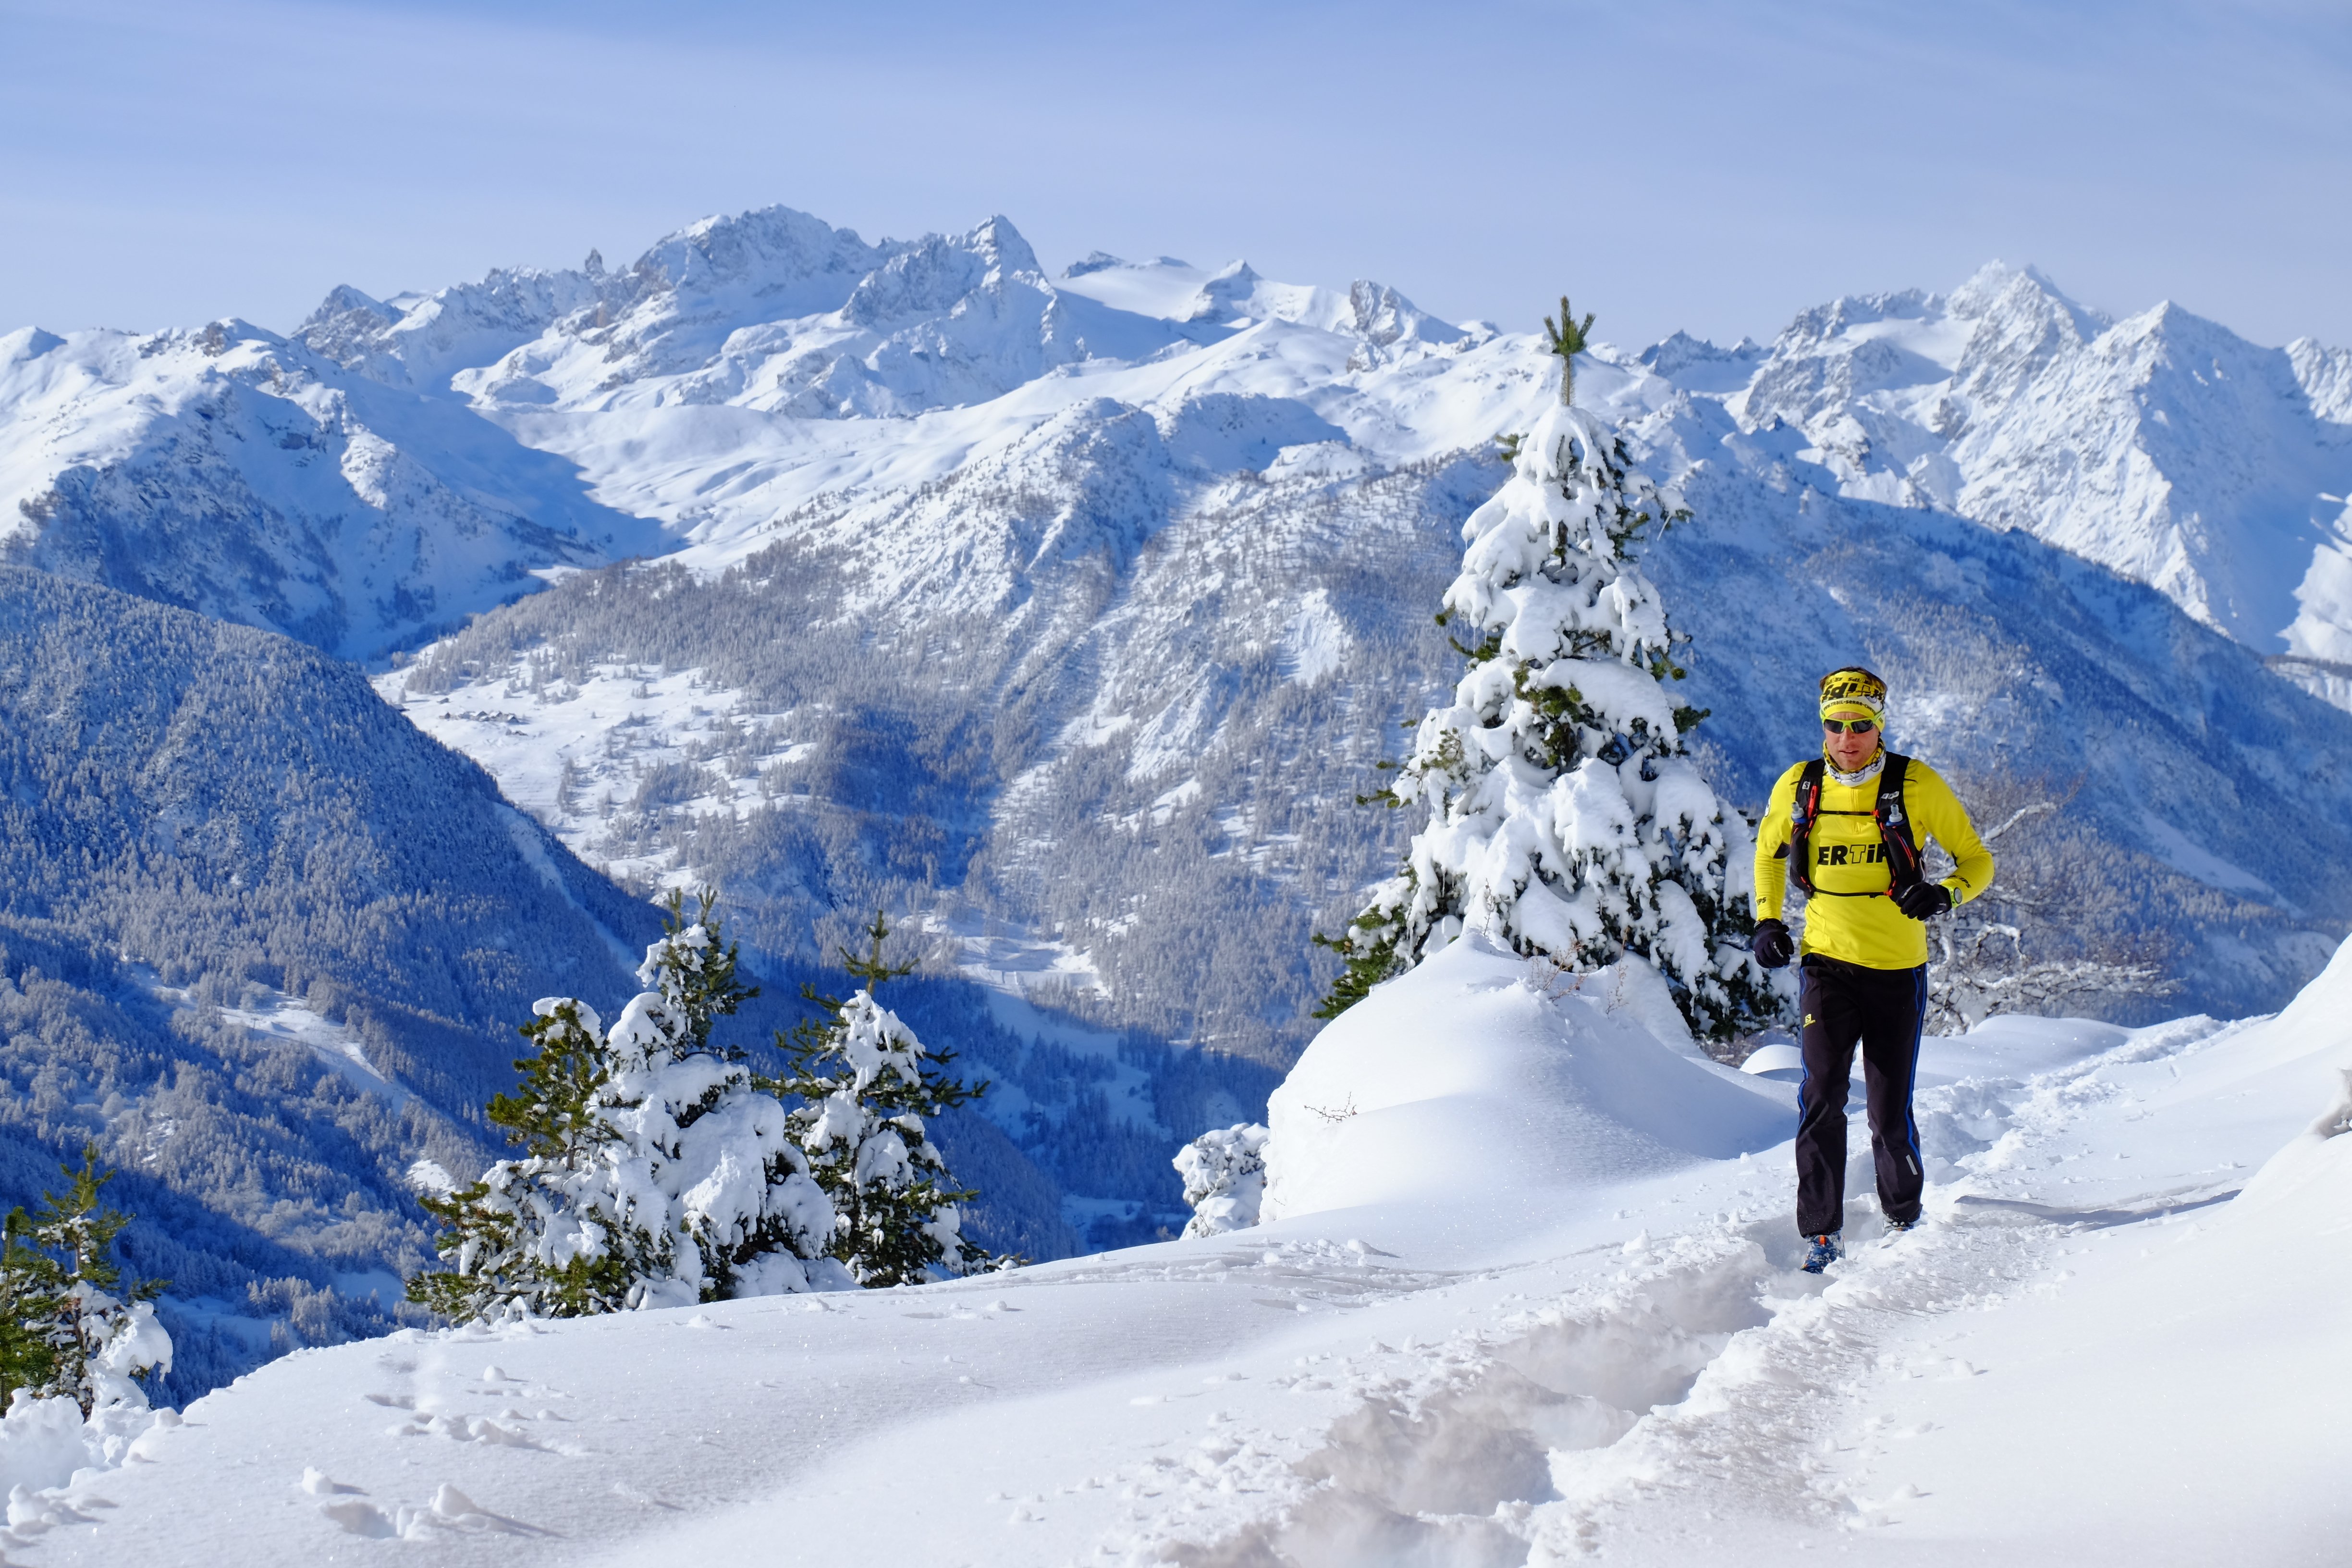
1894, 829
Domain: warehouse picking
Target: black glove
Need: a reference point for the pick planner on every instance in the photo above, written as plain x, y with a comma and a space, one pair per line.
1924, 901
1770, 944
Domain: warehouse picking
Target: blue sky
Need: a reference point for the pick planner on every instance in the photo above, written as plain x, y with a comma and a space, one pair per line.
1677, 164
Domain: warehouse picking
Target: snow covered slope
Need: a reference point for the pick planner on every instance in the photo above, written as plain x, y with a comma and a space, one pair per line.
266, 946
232, 472
1565, 1323
2162, 445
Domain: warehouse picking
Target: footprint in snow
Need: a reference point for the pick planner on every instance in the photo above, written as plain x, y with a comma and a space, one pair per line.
449, 1509
1907, 1492
459, 1428
361, 1518
318, 1483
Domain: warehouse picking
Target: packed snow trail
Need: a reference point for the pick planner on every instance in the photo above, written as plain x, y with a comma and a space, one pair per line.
2117, 1338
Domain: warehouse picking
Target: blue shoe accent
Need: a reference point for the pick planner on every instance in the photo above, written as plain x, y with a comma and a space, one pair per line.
1823, 1252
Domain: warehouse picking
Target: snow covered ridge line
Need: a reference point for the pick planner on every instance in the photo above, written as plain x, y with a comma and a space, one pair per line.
775, 310
234, 472
2159, 444
2003, 400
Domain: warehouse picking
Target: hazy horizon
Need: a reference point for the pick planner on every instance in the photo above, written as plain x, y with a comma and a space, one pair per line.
1708, 167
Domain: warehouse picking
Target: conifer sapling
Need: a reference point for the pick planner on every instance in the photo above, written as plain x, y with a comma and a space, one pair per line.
1561, 812
867, 1086
68, 1328
655, 1170
1224, 1178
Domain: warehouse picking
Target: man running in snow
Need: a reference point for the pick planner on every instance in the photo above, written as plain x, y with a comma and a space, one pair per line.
1848, 829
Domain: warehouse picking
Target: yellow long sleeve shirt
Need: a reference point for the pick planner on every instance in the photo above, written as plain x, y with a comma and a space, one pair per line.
1847, 859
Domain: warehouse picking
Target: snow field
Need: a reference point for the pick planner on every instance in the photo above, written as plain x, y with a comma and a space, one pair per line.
283, 1017
2116, 1339
571, 754
1545, 1082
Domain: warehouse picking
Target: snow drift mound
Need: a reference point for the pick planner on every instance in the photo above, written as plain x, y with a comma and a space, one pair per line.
1478, 1075
2311, 1041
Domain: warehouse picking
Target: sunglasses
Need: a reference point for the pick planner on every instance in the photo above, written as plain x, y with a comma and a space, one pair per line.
1849, 726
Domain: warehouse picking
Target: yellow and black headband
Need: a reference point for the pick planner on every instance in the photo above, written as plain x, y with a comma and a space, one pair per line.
1854, 692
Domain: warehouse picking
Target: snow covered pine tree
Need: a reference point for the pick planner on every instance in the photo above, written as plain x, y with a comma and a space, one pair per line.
866, 1084
1224, 1178
69, 1330
657, 1172
1563, 814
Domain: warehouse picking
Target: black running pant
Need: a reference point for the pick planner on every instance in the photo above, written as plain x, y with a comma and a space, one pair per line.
1881, 1009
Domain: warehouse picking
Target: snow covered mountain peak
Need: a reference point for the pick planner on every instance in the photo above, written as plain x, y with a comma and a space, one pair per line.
2325, 377
1096, 261
2162, 444
824, 365
775, 261
1698, 365
1227, 293
764, 253
27, 343
417, 340
946, 274
233, 471
1996, 287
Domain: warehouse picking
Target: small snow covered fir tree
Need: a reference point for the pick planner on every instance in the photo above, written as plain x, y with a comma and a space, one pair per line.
1561, 812
1224, 1178
866, 1086
68, 1327
655, 1170
538, 1234
693, 971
